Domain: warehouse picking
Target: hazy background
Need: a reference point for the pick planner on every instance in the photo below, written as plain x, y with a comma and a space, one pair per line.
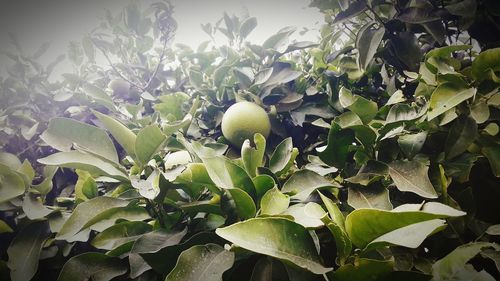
61, 21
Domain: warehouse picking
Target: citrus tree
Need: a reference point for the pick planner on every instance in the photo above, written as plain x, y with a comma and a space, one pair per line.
371, 154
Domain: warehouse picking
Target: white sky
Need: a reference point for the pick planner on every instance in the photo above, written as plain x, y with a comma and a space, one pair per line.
61, 21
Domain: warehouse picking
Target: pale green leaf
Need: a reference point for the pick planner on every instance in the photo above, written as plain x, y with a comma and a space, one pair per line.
271, 236
202, 263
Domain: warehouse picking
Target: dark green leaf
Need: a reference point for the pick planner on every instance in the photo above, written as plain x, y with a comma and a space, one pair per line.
92, 266
125, 137
453, 266
486, 61
274, 202
375, 198
304, 182
85, 212
149, 141
247, 26
62, 133
11, 184
412, 176
120, 234
462, 133
253, 157
83, 161
365, 225
270, 236
446, 96
363, 269
367, 42
24, 251
337, 150
203, 262
283, 155
411, 144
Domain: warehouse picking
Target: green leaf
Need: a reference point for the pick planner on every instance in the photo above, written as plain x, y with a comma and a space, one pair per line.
62, 133
365, 225
353, 9
337, 150
447, 96
371, 197
222, 171
24, 251
279, 41
170, 107
365, 109
123, 135
149, 141
244, 205
203, 262
403, 112
308, 215
462, 134
396, 97
411, 144
247, 26
412, 176
85, 212
367, 42
453, 266
492, 152
274, 202
148, 245
33, 207
253, 157
120, 234
11, 184
363, 269
333, 210
194, 179
92, 266
410, 236
418, 15
282, 73
304, 182
493, 229
486, 61
266, 269
282, 156
109, 217
370, 172
163, 260
85, 187
446, 51
98, 95
342, 241
83, 161
262, 184
4, 227
148, 188
271, 236
10, 160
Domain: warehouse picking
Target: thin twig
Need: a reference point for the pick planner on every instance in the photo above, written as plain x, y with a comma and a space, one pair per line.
350, 33
160, 61
379, 19
116, 70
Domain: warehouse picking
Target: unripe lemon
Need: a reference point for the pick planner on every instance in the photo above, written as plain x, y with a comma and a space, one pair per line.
244, 119
119, 87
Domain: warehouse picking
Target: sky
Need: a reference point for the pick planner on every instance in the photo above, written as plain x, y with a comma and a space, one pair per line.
61, 21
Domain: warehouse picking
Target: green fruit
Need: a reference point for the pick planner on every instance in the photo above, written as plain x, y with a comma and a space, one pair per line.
242, 120
119, 87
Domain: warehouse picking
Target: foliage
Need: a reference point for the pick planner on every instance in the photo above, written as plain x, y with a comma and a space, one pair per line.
383, 161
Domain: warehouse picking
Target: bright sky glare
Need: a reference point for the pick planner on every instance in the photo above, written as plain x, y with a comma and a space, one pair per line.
62, 21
